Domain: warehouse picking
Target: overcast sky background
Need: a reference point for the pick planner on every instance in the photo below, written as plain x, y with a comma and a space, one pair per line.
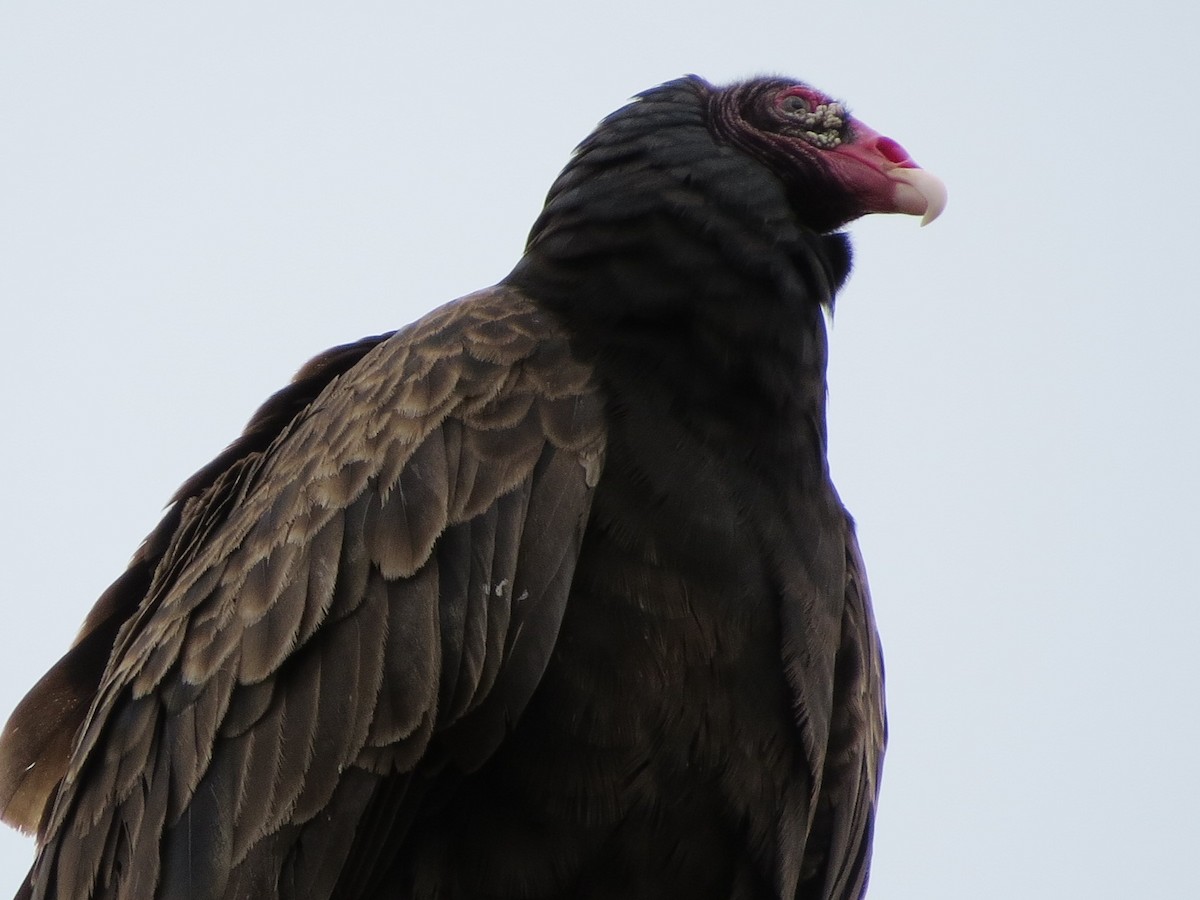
193, 201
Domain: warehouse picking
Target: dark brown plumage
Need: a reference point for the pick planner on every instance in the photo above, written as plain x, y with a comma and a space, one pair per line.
547, 595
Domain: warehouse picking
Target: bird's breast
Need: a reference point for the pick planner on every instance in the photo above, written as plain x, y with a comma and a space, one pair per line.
662, 744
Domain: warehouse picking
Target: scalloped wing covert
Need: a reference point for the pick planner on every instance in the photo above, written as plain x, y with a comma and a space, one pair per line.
392, 568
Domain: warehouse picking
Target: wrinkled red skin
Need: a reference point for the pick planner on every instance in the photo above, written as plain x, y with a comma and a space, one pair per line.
876, 173
863, 160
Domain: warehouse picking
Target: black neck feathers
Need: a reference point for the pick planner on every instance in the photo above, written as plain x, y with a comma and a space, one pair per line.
670, 252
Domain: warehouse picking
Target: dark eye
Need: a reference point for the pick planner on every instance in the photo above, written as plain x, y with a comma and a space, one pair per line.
794, 103
811, 117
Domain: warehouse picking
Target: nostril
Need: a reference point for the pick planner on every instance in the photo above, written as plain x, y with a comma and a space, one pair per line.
892, 151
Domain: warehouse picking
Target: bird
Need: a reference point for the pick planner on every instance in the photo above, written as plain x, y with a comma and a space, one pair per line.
546, 595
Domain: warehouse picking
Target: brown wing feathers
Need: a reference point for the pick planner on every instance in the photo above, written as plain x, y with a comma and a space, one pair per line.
406, 534
36, 745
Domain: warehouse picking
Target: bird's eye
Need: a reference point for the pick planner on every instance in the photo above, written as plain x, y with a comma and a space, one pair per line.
812, 117
794, 103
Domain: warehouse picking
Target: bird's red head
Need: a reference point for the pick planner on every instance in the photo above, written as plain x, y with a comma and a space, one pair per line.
810, 140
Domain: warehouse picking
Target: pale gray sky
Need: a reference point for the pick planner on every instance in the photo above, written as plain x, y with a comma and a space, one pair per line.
195, 200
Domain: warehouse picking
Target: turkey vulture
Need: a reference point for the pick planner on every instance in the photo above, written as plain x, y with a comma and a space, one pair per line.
547, 595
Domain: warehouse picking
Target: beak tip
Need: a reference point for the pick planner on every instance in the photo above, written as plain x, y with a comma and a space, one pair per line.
919, 193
